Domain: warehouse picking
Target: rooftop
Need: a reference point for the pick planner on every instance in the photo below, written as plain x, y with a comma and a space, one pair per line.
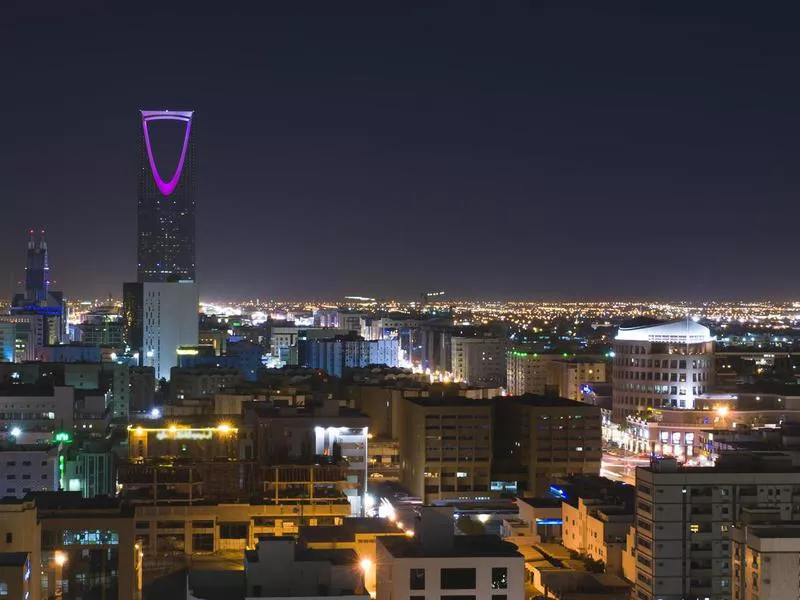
684, 330
463, 545
348, 530
549, 401
449, 401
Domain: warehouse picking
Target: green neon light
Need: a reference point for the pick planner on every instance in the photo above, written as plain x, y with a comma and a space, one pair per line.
63, 436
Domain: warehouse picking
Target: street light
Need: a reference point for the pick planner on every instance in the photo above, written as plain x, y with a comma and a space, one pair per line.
366, 564
60, 558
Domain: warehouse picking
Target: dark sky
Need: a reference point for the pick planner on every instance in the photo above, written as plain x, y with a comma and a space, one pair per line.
494, 150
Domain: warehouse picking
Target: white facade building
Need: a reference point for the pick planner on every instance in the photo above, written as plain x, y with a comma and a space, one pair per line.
35, 419
766, 561
684, 518
661, 365
479, 361
24, 470
279, 568
435, 563
170, 320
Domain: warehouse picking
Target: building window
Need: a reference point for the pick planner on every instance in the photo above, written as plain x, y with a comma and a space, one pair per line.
457, 579
416, 579
3, 588
499, 578
9, 538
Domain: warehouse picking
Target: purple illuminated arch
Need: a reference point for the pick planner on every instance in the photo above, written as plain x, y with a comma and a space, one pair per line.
166, 187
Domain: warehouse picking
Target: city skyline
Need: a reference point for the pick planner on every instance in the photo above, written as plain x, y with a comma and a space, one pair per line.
667, 171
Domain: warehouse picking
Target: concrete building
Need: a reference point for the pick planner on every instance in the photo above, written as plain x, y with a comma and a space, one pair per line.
280, 568
357, 534
34, 414
597, 528
479, 361
684, 517
661, 365
766, 561
306, 433
445, 447
26, 469
437, 564
202, 381
28, 332
538, 438
212, 527
76, 547
346, 352
570, 375
159, 318
527, 372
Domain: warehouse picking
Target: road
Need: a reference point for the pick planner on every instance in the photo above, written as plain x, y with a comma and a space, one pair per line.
621, 466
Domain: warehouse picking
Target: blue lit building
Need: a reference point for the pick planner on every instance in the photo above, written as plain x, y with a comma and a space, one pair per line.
38, 299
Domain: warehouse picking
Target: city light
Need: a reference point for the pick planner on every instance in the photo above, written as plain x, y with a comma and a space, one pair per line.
224, 428
366, 564
16, 432
59, 558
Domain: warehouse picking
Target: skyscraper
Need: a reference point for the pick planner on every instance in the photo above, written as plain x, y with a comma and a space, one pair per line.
166, 224
160, 309
39, 308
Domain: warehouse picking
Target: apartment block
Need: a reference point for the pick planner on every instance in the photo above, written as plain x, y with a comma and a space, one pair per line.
684, 518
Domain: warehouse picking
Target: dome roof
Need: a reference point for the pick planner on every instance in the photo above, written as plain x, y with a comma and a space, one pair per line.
687, 331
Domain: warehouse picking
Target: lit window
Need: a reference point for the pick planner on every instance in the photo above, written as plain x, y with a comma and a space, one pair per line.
694, 527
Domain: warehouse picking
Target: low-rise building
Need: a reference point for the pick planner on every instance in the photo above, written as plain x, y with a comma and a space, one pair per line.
26, 469
436, 563
281, 568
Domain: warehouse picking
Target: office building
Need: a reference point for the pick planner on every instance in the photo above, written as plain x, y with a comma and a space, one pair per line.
479, 361
34, 414
345, 352
684, 517
538, 438
38, 299
202, 381
166, 213
661, 365
766, 561
445, 447
527, 372
569, 377
160, 318
435, 563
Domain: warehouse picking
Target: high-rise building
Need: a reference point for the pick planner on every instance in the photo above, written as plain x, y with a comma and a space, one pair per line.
766, 561
445, 447
39, 300
526, 372
160, 311
166, 222
684, 518
661, 365
539, 438
479, 360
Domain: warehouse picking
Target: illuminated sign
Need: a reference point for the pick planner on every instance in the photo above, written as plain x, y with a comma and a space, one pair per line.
184, 434
63, 436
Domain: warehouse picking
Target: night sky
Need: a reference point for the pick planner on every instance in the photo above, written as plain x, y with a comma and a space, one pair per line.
495, 150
